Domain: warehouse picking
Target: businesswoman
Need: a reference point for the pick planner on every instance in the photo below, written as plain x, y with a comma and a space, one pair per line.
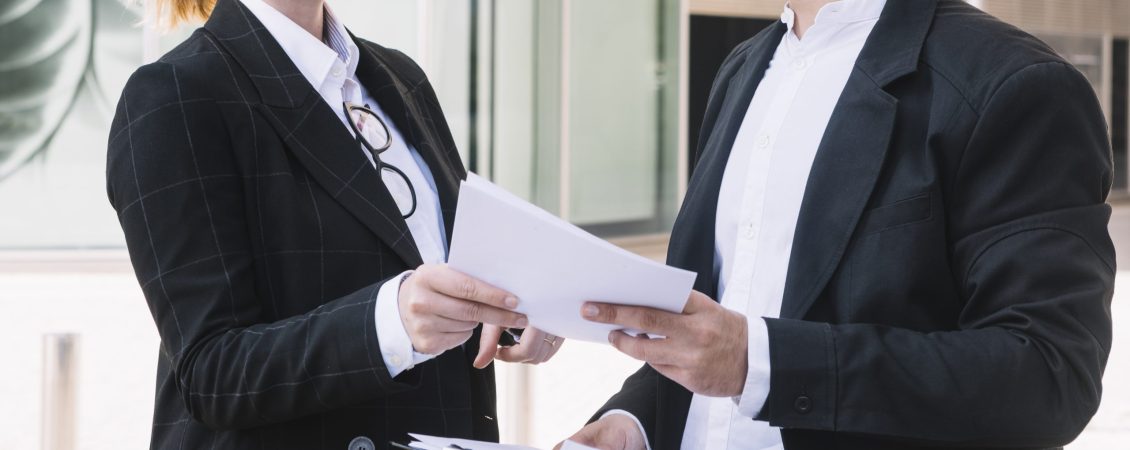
287, 193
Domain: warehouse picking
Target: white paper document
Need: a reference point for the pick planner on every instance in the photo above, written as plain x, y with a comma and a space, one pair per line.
552, 266
425, 442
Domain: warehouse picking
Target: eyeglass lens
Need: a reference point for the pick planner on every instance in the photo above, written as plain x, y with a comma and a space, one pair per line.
400, 188
370, 129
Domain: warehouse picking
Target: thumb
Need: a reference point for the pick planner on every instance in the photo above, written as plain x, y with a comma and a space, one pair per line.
589, 436
488, 345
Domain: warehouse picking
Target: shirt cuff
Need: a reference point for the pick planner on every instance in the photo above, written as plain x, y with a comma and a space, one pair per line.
395, 344
756, 389
646, 443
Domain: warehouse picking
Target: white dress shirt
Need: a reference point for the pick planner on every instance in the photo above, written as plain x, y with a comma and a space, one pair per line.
331, 68
760, 200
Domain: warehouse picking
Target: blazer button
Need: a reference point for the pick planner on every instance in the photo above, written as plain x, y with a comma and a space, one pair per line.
362, 443
802, 405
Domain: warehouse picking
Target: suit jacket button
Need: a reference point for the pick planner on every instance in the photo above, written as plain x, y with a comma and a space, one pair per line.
362, 443
802, 405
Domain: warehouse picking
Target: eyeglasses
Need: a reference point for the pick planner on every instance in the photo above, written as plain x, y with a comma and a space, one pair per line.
374, 135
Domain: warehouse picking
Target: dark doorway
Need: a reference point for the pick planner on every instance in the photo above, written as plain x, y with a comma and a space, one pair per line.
711, 40
1120, 111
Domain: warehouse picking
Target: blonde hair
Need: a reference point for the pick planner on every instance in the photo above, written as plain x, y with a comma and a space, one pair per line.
171, 13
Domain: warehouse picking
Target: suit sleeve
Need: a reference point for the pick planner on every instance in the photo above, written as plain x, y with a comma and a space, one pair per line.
1035, 266
178, 192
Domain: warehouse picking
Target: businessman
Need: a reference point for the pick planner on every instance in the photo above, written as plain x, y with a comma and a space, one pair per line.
899, 224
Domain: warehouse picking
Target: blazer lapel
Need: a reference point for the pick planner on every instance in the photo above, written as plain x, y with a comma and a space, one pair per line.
692, 239
416, 120
852, 152
311, 130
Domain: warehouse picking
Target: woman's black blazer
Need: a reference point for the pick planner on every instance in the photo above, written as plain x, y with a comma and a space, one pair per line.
261, 234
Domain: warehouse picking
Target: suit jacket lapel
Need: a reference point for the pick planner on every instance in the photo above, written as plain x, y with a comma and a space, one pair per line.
852, 152
839, 185
409, 110
311, 130
692, 239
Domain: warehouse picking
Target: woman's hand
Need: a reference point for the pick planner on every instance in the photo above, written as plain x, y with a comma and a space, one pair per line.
441, 308
535, 347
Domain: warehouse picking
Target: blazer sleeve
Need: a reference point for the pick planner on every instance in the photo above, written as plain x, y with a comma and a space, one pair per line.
178, 193
1035, 266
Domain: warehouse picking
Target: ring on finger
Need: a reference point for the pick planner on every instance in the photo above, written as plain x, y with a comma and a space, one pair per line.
551, 342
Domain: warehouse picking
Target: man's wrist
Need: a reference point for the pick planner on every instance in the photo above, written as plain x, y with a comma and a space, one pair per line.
639, 425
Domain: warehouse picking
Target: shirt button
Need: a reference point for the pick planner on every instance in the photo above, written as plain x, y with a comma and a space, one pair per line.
750, 230
763, 142
800, 64
338, 72
396, 360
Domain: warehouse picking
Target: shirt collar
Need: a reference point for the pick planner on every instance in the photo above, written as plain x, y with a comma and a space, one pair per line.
313, 57
843, 12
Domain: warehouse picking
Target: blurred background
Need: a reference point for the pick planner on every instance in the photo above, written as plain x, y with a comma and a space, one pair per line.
588, 108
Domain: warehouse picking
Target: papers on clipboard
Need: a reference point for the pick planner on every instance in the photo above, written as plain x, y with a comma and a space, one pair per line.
552, 266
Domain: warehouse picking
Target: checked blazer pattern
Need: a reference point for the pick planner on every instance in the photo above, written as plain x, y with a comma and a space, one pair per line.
260, 236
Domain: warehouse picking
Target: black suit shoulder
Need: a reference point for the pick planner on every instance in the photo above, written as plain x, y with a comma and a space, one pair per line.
977, 54
189, 81
398, 63
743, 52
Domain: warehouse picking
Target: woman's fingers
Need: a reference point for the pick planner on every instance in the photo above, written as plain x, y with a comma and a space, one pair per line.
458, 285
466, 311
488, 346
536, 347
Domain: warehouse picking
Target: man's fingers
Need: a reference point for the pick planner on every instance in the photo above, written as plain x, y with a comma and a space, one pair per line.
587, 436
458, 285
467, 311
632, 317
488, 346
652, 351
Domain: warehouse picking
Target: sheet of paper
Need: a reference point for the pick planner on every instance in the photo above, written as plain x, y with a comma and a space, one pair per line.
426, 442
552, 266
438, 443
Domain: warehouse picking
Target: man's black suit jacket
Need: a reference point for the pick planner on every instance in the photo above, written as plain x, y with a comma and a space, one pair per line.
951, 275
261, 234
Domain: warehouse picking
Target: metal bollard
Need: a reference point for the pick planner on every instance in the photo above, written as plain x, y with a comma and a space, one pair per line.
60, 380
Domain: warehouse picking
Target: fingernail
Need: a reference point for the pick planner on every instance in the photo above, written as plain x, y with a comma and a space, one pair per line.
612, 338
511, 302
590, 311
523, 322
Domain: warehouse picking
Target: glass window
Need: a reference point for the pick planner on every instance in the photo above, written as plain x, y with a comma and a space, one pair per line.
584, 110
62, 66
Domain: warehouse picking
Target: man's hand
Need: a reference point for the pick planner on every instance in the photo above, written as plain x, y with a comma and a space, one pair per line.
611, 432
535, 347
441, 308
705, 350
